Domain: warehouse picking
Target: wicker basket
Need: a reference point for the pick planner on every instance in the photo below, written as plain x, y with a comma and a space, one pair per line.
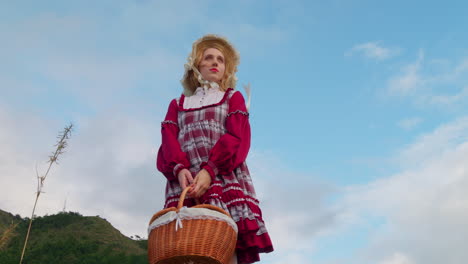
199, 234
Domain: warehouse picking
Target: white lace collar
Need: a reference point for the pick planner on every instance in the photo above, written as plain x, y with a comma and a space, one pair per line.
205, 90
203, 96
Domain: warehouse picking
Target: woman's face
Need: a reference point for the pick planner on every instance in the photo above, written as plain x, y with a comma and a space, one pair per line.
212, 65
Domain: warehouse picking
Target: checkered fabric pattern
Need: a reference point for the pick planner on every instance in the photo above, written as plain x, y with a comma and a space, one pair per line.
199, 131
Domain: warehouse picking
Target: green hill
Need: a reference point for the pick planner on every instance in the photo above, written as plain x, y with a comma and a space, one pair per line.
67, 238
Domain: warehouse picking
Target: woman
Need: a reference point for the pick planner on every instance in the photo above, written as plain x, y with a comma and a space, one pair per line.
205, 141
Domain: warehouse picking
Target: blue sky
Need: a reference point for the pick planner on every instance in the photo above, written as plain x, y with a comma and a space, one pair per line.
359, 115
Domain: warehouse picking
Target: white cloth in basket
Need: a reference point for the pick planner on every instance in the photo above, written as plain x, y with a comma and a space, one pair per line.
186, 213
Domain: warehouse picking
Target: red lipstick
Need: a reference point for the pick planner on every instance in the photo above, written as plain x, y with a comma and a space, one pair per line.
214, 70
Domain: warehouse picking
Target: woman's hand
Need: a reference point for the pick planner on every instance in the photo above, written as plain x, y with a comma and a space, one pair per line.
185, 178
200, 184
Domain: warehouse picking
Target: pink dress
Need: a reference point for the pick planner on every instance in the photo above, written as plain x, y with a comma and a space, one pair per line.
216, 138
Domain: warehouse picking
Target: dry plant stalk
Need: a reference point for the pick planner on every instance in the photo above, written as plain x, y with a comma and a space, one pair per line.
7, 235
61, 145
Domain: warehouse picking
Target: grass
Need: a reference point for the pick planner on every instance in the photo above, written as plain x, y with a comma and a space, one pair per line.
7, 235
53, 159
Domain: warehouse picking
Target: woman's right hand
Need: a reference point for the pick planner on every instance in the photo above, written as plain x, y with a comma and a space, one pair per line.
185, 178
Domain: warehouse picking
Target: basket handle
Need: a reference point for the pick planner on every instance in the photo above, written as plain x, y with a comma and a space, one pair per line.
182, 198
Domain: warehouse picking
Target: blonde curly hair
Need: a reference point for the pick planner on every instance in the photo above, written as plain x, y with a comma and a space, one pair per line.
192, 77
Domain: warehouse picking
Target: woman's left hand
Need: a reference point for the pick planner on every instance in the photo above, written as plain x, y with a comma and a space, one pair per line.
200, 184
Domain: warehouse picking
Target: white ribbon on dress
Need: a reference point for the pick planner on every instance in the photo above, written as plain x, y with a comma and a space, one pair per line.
179, 220
247, 91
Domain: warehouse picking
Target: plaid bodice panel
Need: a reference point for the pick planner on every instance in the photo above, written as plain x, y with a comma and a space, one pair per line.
200, 130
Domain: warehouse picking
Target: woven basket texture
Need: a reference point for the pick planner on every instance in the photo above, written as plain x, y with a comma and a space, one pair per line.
204, 241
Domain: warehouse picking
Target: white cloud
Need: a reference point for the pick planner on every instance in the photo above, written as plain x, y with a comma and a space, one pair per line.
295, 219
461, 68
409, 123
396, 258
424, 207
425, 83
23, 144
373, 50
138, 51
430, 146
448, 99
117, 68
289, 258
108, 169
409, 80
71, 59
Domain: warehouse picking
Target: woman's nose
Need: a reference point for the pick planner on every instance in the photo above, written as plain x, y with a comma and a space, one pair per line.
214, 63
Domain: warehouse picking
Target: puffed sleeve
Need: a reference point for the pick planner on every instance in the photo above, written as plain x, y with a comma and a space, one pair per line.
171, 159
232, 148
